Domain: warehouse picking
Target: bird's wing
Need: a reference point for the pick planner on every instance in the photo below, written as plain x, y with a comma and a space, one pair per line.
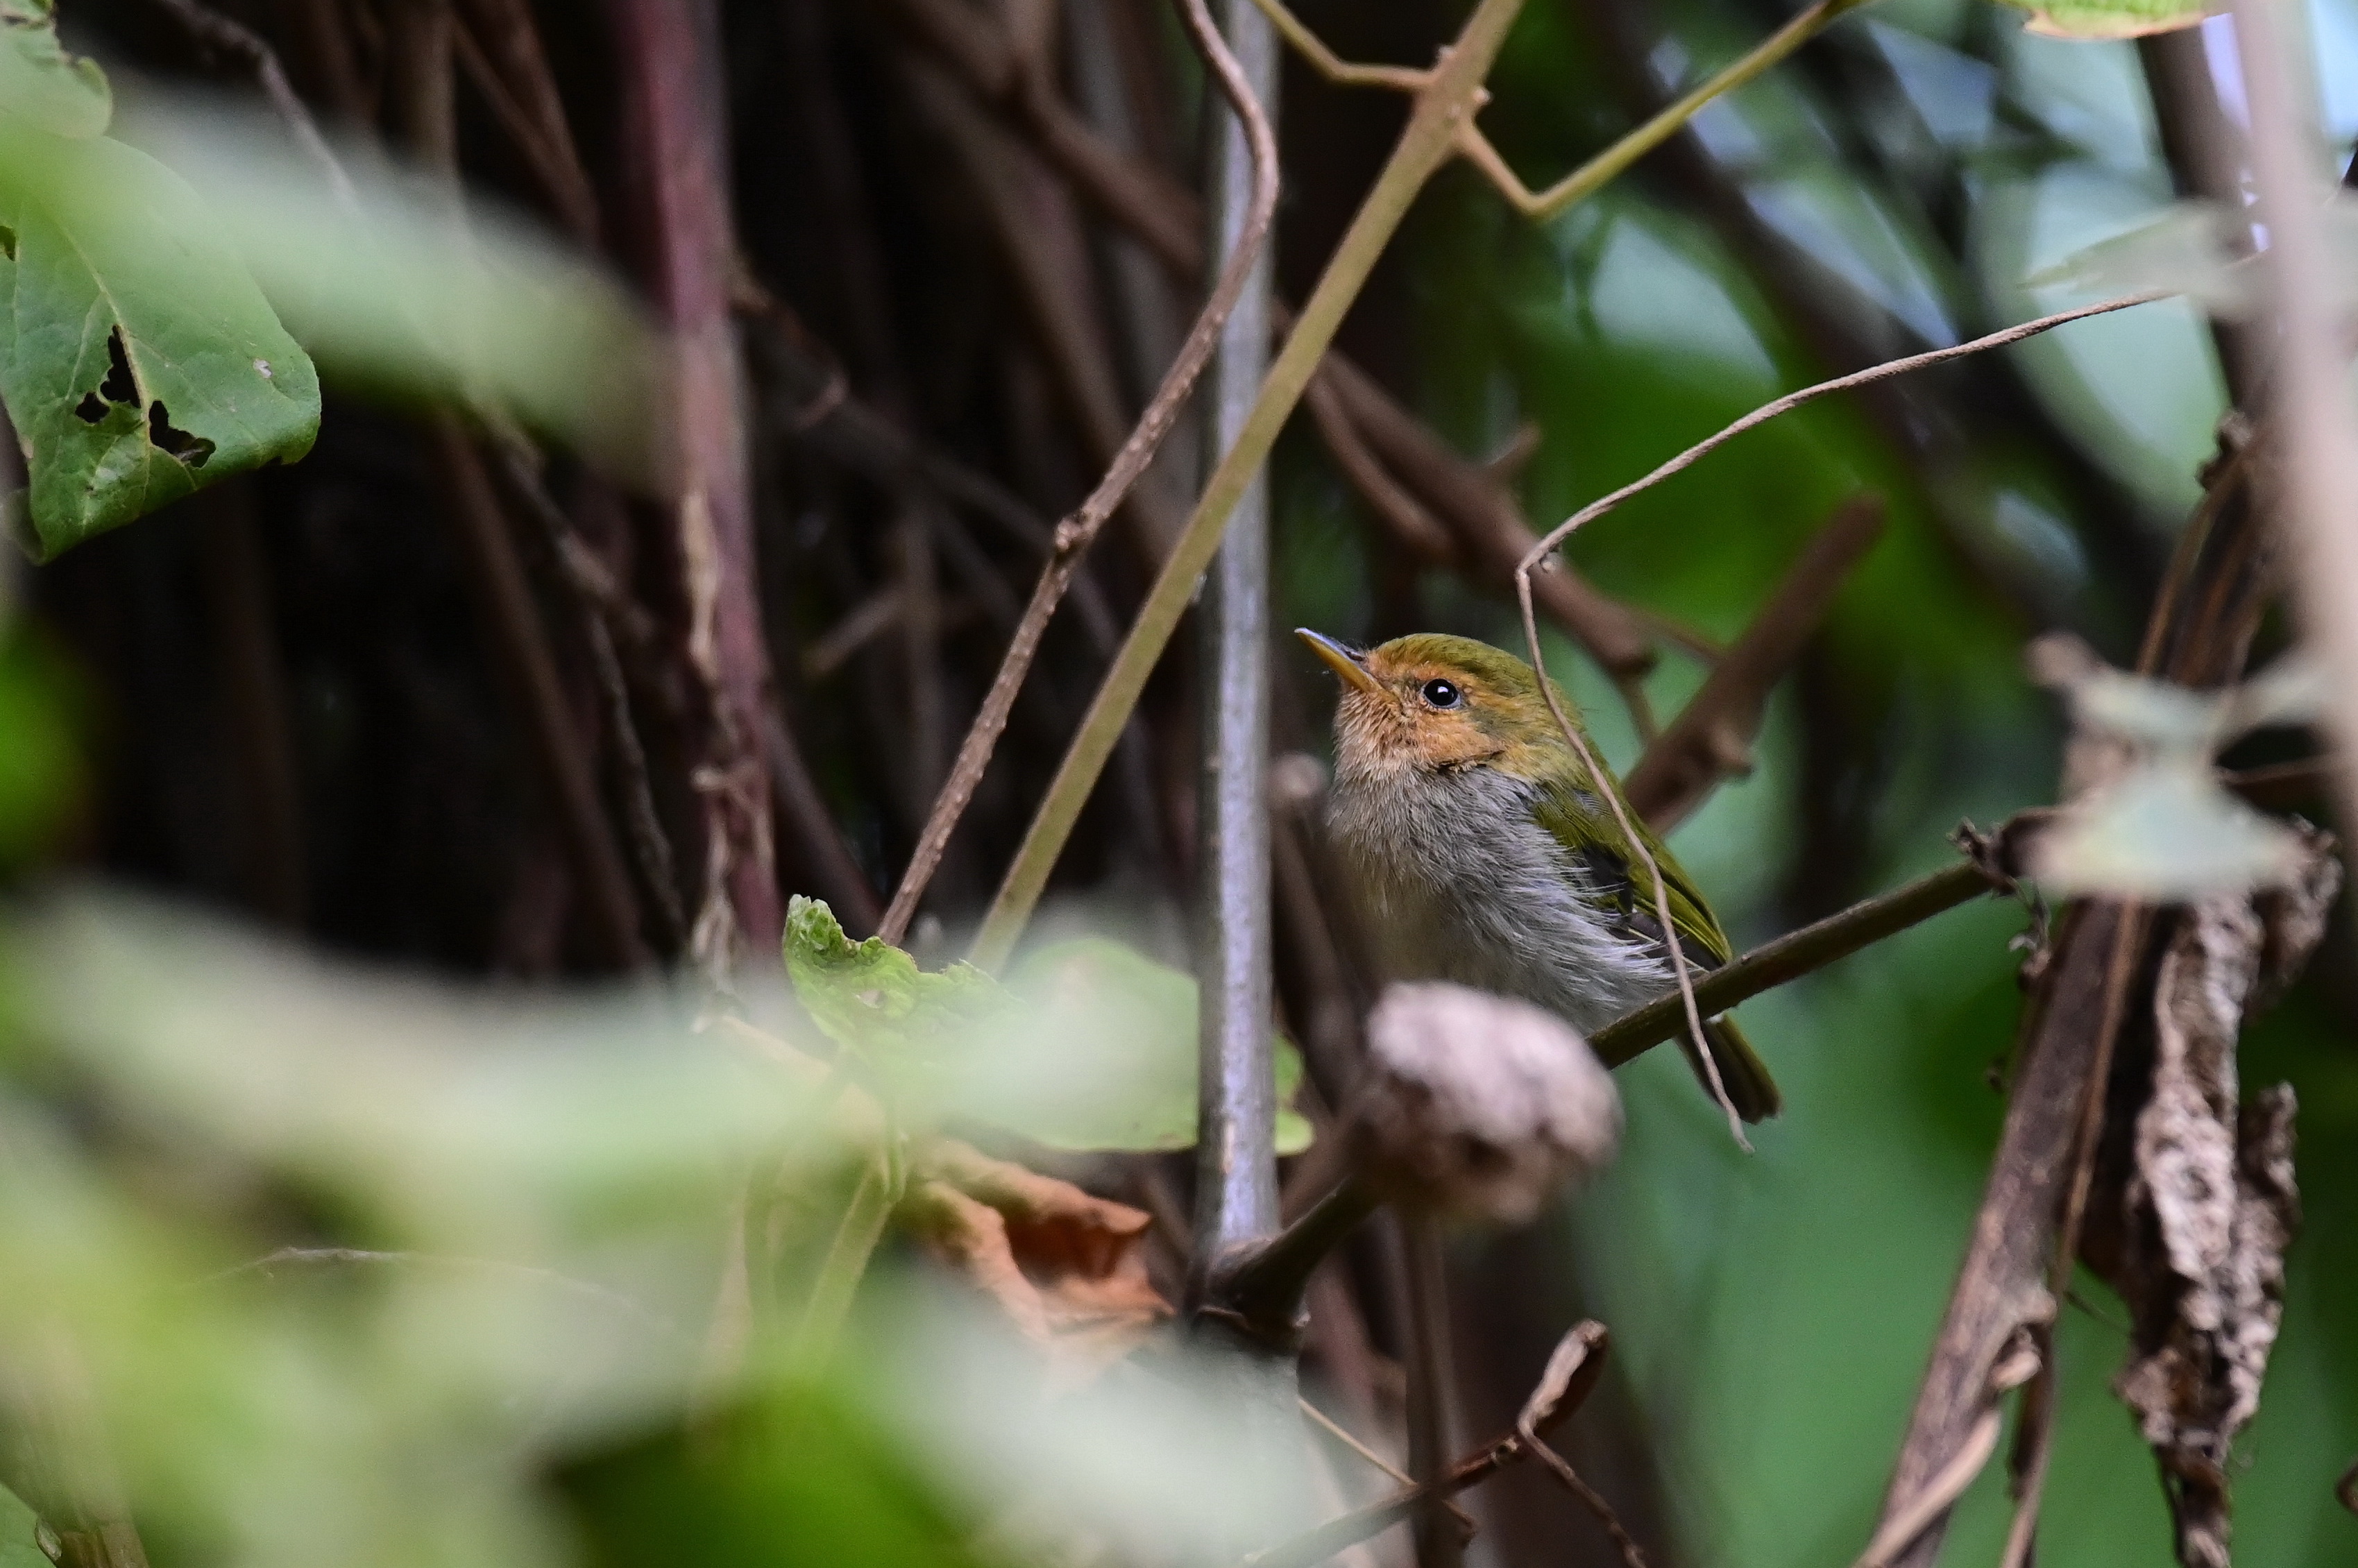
1584, 825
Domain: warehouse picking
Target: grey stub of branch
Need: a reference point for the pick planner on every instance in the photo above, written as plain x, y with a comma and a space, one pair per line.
1237, 1199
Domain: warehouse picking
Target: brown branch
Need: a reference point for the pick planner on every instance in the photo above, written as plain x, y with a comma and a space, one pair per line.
2198, 635
1411, 524
499, 39
1046, 259
1490, 529
1075, 535
509, 620
1475, 504
1572, 1374
676, 170
1799, 953
602, 609
1713, 734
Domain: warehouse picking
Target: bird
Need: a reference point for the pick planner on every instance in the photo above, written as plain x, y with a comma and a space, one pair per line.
1484, 853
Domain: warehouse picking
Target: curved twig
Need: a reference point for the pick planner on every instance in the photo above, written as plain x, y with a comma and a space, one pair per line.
1075, 535
1685, 460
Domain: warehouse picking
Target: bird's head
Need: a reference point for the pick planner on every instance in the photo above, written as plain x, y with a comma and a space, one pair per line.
1438, 704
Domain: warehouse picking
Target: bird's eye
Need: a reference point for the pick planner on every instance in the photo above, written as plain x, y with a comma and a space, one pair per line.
1443, 694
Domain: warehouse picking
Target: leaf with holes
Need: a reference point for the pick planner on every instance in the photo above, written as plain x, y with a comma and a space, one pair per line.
138, 361
39, 83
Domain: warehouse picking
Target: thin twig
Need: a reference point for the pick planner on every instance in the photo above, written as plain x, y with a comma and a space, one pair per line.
1792, 400
598, 600
1590, 1498
1572, 1375
1475, 504
1579, 742
1075, 535
1600, 169
1421, 149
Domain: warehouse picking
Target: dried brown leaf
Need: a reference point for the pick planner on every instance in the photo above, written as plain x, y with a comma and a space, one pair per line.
2210, 1203
1068, 1268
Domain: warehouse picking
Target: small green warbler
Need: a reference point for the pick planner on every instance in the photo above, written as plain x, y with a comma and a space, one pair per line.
1484, 853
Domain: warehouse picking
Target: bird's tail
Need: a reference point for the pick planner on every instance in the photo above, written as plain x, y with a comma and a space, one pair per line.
1745, 1078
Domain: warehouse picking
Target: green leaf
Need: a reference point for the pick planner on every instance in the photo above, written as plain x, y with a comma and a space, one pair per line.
871, 999
138, 361
1106, 1056
39, 83
20, 1545
2094, 19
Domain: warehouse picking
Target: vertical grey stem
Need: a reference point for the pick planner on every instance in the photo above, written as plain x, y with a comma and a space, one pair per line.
1235, 1183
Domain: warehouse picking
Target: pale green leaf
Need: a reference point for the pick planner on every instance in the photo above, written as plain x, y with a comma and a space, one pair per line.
1107, 1057
2164, 831
2094, 20
43, 85
138, 361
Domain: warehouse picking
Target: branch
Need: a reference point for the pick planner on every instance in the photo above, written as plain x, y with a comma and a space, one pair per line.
1477, 505
2198, 634
1799, 953
1423, 146
1075, 535
675, 163
1713, 734
1332, 66
228, 35
1573, 1373
1599, 170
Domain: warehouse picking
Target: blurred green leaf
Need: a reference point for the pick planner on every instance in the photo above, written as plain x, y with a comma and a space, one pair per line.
138, 361
1106, 1057
20, 1544
871, 999
406, 289
2100, 20
39, 83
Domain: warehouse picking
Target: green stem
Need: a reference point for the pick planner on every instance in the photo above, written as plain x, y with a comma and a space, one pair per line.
847, 1262
1792, 956
1447, 101
1589, 177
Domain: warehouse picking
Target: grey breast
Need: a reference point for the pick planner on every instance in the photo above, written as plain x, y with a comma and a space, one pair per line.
1458, 882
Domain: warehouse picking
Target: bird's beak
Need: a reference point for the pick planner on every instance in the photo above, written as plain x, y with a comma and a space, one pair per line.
1339, 659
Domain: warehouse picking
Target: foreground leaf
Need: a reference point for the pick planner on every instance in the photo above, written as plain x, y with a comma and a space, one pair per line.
39, 83
871, 999
1107, 1057
2098, 19
138, 361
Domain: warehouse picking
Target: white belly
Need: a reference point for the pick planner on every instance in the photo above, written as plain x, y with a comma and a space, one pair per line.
1456, 881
